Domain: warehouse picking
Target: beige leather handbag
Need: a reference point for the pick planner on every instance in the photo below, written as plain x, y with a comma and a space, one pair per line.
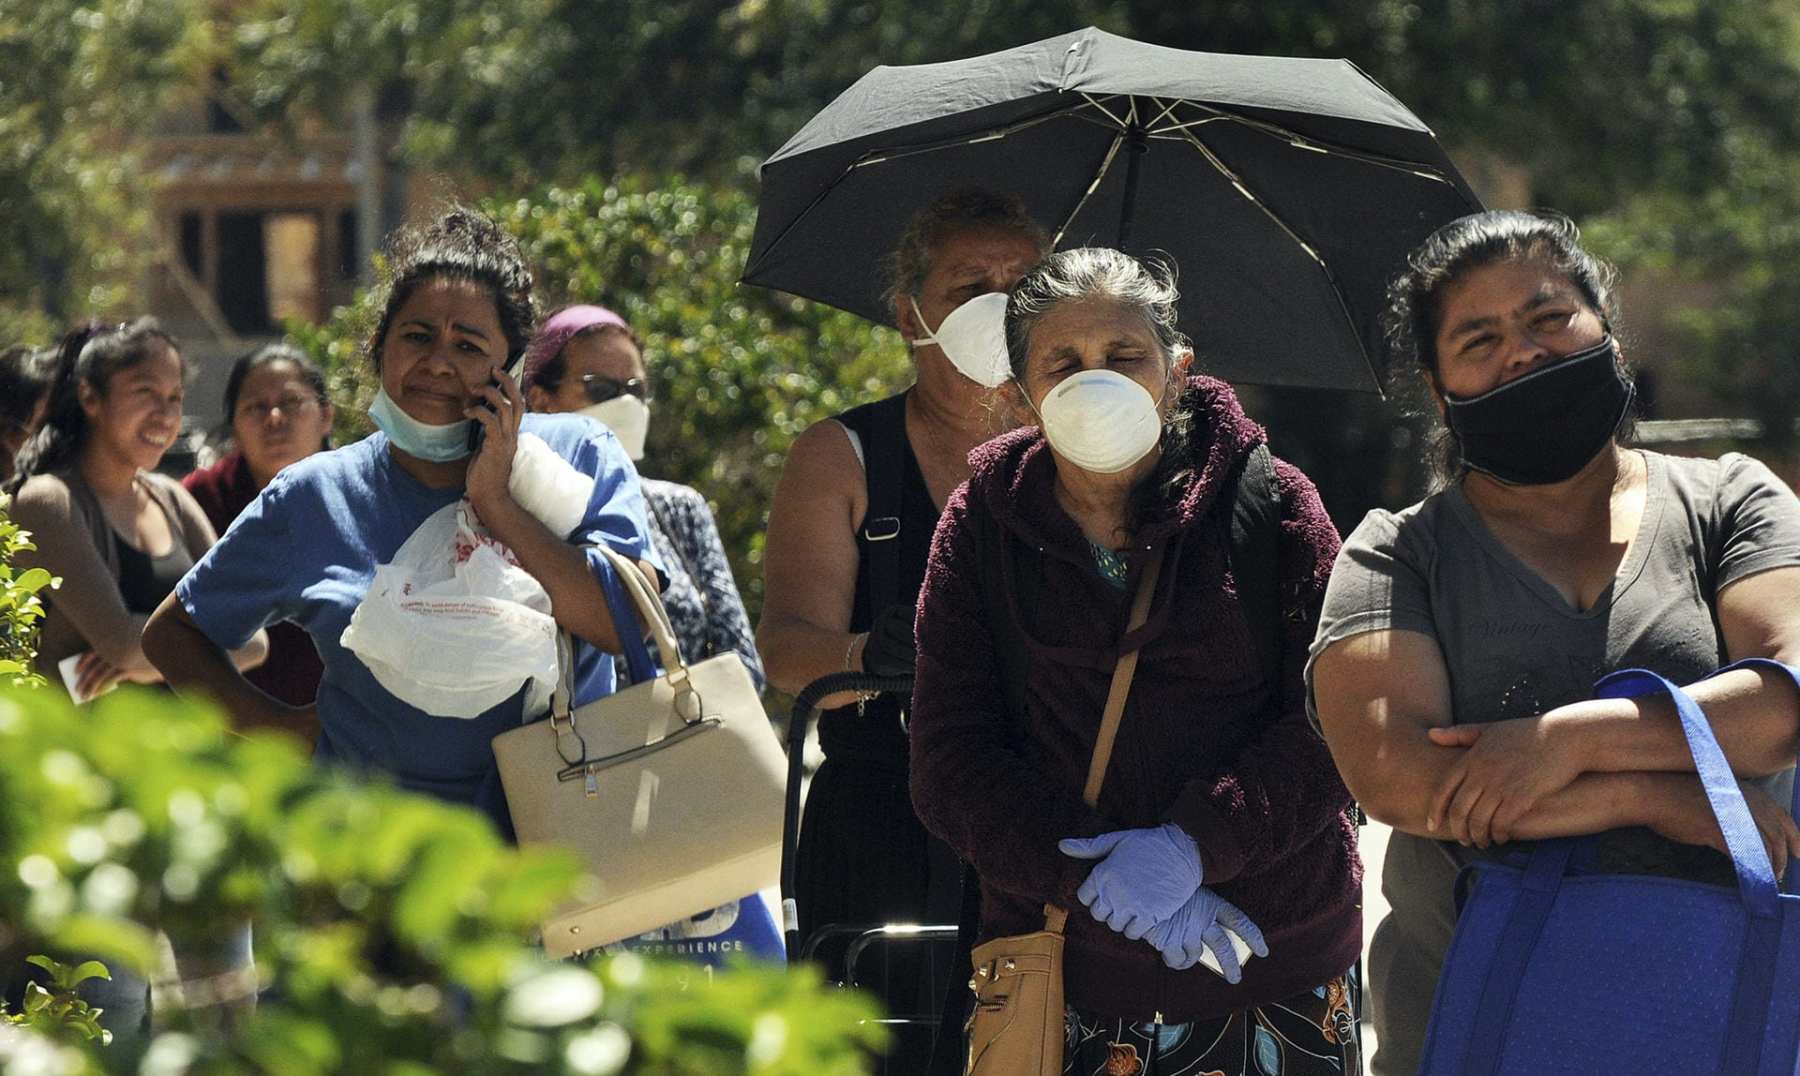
1017, 1025
671, 791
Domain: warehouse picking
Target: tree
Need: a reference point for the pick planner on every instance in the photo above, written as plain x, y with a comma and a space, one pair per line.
644, 86
81, 78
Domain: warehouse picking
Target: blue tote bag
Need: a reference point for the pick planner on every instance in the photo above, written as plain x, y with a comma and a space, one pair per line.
1555, 971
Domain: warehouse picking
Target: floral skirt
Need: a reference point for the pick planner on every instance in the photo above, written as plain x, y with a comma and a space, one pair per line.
1311, 1034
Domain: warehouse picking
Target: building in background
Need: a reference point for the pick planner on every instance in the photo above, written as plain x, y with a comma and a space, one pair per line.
257, 229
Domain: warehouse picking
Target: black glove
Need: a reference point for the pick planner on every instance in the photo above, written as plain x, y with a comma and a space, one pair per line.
890, 650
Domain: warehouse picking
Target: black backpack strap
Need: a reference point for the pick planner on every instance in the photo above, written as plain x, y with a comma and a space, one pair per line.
1256, 555
884, 474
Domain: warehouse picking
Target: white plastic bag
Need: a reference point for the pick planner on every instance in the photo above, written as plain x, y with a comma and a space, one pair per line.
453, 625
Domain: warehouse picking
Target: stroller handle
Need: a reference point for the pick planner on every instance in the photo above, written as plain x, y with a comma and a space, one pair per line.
804, 704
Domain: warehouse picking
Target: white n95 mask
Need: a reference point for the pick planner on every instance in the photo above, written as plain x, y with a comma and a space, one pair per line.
1100, 420
973, 338
627, 417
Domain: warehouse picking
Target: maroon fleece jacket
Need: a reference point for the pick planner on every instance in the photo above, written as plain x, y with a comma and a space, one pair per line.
1206, 741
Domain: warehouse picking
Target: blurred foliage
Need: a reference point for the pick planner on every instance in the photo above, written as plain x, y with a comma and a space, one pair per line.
55, 1012
21, 606
78, 80
390, 929
706, 88
738, 373
1738, 243
552, 90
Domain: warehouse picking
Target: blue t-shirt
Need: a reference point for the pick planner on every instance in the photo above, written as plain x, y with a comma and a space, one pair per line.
306, 549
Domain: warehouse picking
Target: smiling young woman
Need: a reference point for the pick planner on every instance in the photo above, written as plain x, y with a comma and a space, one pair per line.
118, 533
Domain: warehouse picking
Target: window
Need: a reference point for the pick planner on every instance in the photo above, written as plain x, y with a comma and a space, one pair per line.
193, 244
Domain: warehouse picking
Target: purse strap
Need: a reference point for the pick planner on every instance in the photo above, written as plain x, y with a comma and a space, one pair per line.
1056, 918
1749, 859
1758, 888
651, 614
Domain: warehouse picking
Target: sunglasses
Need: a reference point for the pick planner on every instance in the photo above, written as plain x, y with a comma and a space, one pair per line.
600, 389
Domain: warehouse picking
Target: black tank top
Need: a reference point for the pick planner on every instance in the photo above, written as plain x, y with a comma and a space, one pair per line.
144, 580
877, 736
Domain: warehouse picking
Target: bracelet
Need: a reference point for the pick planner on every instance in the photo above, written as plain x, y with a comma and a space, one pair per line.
862, 697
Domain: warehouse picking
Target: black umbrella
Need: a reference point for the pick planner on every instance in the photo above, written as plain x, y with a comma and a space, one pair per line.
1286, 190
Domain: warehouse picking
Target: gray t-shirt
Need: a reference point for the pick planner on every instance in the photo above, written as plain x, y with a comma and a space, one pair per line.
1514, 648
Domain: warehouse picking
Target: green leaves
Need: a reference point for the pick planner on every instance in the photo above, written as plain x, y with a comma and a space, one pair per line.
392, 932
21, 607
68, 978
56, 1013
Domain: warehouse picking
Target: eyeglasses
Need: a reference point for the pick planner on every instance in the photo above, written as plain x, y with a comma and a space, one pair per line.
290, 404
600, 389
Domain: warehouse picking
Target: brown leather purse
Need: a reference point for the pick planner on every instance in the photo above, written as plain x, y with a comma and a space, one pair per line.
1017, 1025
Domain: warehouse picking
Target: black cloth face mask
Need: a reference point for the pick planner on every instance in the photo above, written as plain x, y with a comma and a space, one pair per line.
1545, 426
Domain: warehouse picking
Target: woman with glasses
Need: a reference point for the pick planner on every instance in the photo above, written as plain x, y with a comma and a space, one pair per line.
278, 414
586, 360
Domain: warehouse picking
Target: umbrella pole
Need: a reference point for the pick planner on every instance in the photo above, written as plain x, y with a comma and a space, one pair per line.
1137, 144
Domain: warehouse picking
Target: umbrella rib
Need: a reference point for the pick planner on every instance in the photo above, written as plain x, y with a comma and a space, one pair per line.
1112, 151
1099, 105
1075, 111
992, 134
1168, 109
1337, 291
1300, 141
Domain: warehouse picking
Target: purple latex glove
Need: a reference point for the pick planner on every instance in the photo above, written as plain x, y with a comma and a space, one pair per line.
1201, 924
1143, 877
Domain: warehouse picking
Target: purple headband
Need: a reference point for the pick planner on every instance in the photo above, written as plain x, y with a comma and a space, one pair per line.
556, 333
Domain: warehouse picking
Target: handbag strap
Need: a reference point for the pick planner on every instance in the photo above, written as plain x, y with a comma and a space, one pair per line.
1056, 918
1749, 859
650, 612
1756, 883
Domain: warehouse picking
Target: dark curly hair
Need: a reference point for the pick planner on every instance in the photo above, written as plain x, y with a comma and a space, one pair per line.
904, 269
91, 353
1415, 299
462, 244
25, 375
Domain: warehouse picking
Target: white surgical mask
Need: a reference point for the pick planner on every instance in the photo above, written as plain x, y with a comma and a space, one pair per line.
627, 417
973, 338
1100, 420
428, 441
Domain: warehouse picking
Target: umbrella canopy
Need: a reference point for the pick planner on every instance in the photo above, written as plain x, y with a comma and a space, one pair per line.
1286, 191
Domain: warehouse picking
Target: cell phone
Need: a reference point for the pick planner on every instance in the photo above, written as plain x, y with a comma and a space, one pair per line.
476, 429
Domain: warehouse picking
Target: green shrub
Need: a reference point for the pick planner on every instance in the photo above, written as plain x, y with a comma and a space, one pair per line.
392, 928
20, 606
